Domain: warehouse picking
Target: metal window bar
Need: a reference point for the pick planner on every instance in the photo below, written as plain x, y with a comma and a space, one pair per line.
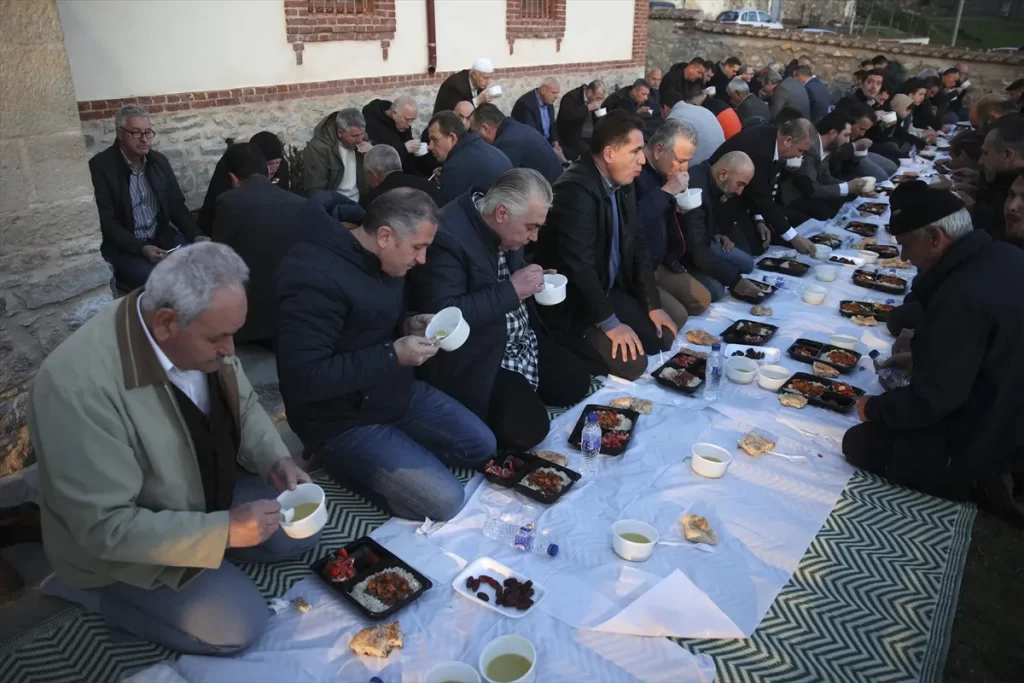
342, 7
536, 9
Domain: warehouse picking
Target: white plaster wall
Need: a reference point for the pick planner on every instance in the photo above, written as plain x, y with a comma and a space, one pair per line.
126, 48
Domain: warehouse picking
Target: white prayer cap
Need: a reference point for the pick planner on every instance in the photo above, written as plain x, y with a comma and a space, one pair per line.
483, 65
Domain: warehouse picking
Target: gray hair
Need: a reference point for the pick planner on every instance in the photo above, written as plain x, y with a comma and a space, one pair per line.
956, 225
400, 102
770, 77
382, 160
798, 129
668, 132
514, 190
737, 86
594, 86
550, 82
128, 111
350, 118
186, 280
402, 209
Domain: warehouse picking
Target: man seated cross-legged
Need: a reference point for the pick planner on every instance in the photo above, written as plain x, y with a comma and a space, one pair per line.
346, 350
157, 462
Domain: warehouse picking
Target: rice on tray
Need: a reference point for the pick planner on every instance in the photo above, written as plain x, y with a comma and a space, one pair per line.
562, 476
373, 604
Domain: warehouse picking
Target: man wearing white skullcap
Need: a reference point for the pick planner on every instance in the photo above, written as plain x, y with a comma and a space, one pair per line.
469, 85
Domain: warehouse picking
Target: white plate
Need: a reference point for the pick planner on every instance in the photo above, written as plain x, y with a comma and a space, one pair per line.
857, 260
771, 355
496, 570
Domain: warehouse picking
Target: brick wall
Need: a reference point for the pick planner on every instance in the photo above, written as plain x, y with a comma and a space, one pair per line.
542, 19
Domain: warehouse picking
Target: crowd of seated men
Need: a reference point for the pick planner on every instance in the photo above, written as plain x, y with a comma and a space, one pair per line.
158, 463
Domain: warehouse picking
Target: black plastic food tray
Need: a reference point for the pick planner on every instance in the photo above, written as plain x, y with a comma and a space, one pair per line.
821, 349
883, 250
734, 335
873, 208
697, 368
363, 551
830, 400
528, 460
764, 287
866, 279
824, 238
537, 495
577, 432
785, 266
880, 316
861, 228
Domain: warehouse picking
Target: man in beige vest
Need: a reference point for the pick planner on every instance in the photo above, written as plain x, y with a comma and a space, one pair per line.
157, 462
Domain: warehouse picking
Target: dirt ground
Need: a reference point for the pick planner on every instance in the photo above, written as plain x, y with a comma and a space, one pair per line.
987, 644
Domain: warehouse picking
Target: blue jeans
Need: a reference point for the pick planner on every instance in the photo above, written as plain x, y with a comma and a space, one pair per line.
406, 462
132, 270
737, 257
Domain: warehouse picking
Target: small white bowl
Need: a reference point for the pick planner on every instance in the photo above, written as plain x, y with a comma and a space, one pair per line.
786, 253
710, 90
494, 91
868, 256
554, 290
458, 672
510, 645
870, 183
822, 252
450, 320
600, 112
741, 370
630, 550
814, 295
888, 117
860, 153
702, 464
826, 273
690, 199
307, 526
843, 341
422, 150
772, 377
794, 163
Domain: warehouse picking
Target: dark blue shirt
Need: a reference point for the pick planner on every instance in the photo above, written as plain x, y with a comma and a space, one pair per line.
545, 116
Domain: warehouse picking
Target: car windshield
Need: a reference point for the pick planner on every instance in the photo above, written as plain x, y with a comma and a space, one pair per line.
727, 16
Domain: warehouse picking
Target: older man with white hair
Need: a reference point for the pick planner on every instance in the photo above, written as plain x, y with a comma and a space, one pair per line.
142, 210
469, 84
390, 123
383, 169
509, 368
537, 109
955, 429
157, 462
751, 109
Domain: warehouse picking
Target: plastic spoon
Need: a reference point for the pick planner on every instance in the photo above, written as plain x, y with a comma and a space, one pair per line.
287, 515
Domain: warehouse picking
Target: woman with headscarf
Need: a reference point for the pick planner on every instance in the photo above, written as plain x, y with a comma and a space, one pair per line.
220, 182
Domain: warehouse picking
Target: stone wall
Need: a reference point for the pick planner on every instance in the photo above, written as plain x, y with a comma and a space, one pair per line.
52, 278
835, 57
194, 140
816, 12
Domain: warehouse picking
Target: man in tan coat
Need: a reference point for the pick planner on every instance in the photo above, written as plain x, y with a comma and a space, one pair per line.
157, 462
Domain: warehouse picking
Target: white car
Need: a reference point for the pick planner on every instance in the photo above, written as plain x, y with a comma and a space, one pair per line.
748, 17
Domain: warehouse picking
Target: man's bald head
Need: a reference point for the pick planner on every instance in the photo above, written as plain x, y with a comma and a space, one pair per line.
549, 90
464, 110
732, 173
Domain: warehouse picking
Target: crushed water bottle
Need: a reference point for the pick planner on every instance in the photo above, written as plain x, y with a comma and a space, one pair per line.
590, 444
889, 377
518, 529
713, 373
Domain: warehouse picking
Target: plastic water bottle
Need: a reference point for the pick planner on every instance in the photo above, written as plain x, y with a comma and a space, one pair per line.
713, 373
889, 377
590, 444
524, 537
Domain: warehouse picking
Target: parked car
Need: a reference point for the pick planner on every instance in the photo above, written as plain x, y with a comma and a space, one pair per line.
667, 4
808, 29
1008, 49
748, 17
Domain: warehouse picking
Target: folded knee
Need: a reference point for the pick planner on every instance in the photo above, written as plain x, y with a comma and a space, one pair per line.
631, 369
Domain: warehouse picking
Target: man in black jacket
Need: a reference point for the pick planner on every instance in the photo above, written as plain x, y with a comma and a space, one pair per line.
537, 109
383, 170
509, 368
612, 312
668, 154
960, 422
712, 255
575, 122
468, 85
632, 99
260, 221
390, 123
680, 72
750, 108
769, 148
1002, 158
524, 146
346, 349
722, 75
467, 160
142, 210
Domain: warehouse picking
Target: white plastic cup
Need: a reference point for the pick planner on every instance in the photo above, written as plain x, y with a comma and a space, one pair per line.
690, 199
843, 341
422, 150
600, 112
494, 91
710, 91
794, 163
307, 526
632, 551
814, 295
554, 290
510, 645
860, 153
449, 319
826, 273
869, 183
700, 463
451, 671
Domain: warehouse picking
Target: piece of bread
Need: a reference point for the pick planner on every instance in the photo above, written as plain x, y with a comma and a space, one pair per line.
377, 641
697, 530
824, 370
551, 456
764, 311
755, 444
701, 338
640, 405
894, 263
793, 400
864, 320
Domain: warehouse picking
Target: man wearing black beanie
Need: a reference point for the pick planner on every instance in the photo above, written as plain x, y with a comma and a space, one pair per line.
957, 430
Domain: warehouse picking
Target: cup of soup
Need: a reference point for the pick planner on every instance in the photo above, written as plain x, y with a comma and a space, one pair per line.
633, 540
303, 511
509, 659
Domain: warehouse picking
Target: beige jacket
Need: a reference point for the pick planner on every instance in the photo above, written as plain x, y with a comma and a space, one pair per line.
120, 490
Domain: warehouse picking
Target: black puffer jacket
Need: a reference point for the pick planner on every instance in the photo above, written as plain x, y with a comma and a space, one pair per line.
381, 130
337, 317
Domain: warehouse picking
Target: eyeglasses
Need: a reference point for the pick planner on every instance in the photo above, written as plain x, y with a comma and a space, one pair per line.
139, 134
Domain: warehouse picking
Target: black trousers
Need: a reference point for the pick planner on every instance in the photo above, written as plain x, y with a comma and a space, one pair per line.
597, 347
912, 458
517, 414
905, 317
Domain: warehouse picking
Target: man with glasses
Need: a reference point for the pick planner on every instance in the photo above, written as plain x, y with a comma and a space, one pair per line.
142, 209
390, 123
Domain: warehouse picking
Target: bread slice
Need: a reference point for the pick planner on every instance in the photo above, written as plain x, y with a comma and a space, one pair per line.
824, 370
640, 405
793, 400
551, 456
377, 641
755, 444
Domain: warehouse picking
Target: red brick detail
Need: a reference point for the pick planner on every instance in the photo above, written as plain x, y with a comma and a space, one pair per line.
311, 21
641, 10
534, 19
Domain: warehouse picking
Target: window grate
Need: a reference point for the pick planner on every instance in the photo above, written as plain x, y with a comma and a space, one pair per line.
536, 9
342, 7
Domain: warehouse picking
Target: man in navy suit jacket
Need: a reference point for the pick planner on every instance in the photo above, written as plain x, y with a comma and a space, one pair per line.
819, 97
537, 109
523, 145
